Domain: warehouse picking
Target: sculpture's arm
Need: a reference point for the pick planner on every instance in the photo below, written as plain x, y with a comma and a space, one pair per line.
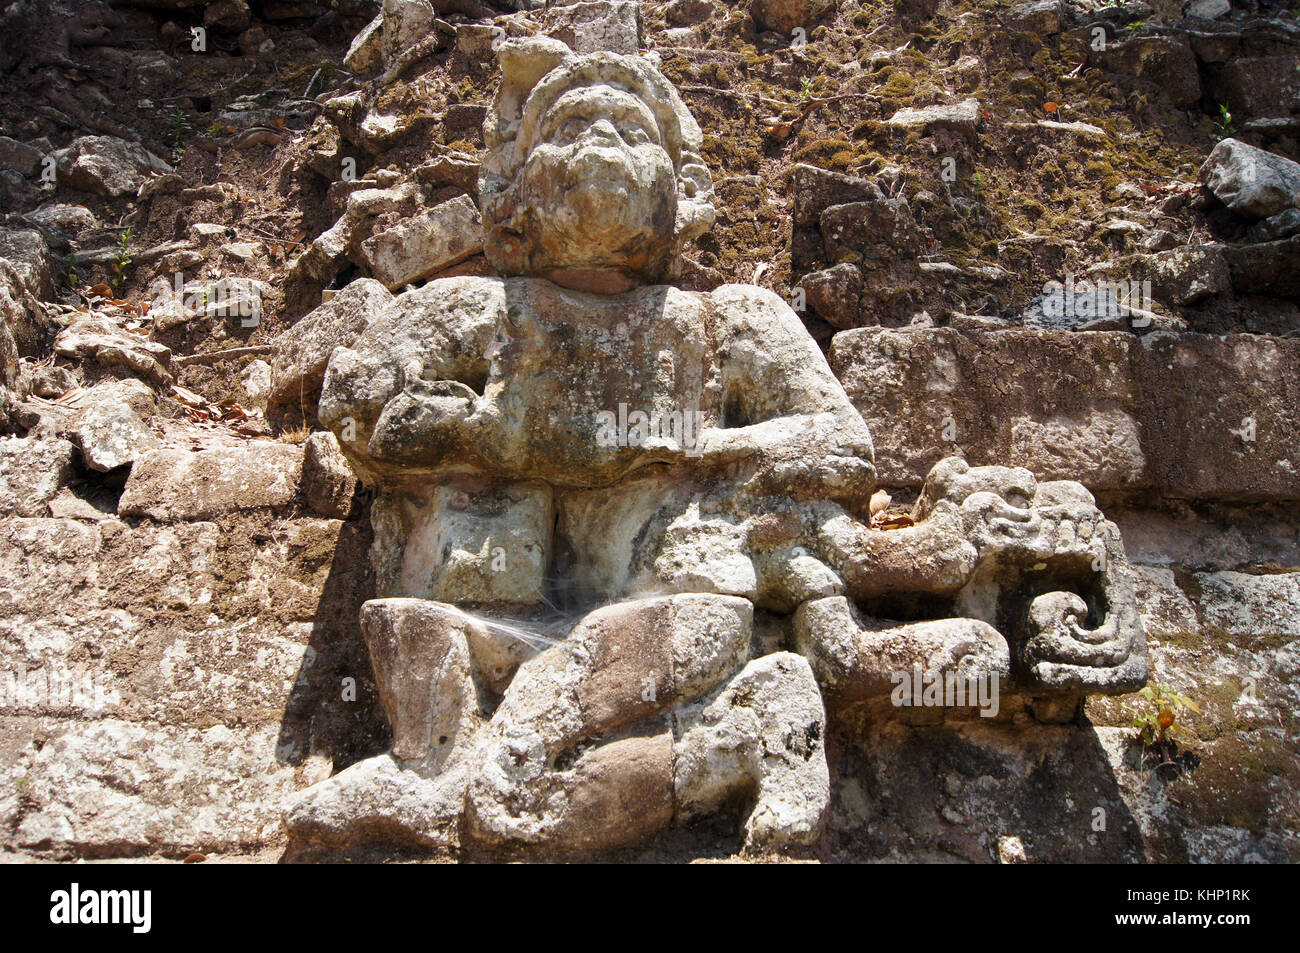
405, 392
783, 409
963, 516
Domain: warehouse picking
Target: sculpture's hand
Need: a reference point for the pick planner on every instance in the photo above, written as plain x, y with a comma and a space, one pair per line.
799, 455
425, 423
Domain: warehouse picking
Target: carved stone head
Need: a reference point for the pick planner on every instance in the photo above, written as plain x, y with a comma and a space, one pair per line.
593, 177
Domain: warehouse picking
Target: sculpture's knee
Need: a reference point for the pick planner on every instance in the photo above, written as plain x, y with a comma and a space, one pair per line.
548, 764
646, 654
762, 738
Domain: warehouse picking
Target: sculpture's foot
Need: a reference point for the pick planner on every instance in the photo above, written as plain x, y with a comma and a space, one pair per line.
940, 664
763, 733
422, 654
578, 755
378, 801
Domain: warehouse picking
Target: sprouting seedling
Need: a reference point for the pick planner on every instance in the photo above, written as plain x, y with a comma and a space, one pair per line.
1157, 720
805, 85
1223, 125
121, 260
178, 127
70, 271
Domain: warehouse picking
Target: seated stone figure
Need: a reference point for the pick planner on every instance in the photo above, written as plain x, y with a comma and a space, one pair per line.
658, 465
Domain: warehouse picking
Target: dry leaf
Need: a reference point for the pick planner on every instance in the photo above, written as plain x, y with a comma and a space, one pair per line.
1051, 107
879, 500
187, 397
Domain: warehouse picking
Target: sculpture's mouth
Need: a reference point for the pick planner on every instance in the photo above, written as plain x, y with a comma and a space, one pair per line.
602, 166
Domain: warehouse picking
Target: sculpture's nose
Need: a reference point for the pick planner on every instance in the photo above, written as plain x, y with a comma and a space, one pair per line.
602, 129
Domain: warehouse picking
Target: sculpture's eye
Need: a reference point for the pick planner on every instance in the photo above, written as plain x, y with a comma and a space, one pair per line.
634, 135
570, 130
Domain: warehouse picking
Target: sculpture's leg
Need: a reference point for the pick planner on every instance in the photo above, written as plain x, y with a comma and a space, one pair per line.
762, 734
579, 755
426, 657
855, 662
424, 669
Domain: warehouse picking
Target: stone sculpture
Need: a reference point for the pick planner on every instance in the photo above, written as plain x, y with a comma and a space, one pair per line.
677, 477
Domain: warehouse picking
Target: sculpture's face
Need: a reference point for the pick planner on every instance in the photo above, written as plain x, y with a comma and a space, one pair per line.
599, 186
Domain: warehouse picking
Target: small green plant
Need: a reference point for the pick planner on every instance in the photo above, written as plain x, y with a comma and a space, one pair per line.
1223, 125
122, 259
70, 276
805, 86
1157, 719
178, 131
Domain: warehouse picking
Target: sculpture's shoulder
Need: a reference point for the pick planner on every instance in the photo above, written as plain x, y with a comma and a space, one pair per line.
747, 310
453, 315
452, 305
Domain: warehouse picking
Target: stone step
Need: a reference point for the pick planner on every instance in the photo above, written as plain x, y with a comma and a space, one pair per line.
1189, 415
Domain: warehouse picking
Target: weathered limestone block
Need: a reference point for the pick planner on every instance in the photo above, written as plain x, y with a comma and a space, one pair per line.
816, 190
962, 117
98, 339
22, 320
1186, 275
591, 26
1161, 63
1250, 181
784, 15
183, 624
110, 431
170, 485
19, 156
864, 231
106, 165
1251, 607
302, 352
426, 244
1041, 17
1259, 86
32, 470
1269, 268
115, 787
1166, 610
833, 294
328, 482
1107, 409
26, 251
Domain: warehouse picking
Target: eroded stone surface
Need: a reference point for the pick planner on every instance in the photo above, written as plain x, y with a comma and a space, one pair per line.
179, 485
